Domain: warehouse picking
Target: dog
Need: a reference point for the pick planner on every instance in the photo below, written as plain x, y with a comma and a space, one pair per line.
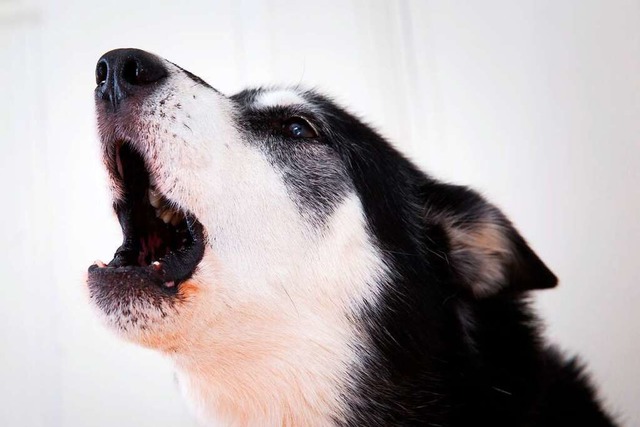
299, 271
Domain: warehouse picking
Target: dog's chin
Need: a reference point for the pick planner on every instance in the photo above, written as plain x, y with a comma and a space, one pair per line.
143, 312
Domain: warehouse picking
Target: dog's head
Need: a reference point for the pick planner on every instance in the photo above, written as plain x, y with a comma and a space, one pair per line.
258, 227
222, 200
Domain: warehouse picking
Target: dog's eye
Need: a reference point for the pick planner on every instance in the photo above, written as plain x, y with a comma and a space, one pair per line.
297, 127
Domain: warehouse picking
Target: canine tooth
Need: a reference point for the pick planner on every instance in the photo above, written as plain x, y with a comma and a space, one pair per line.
154, 198
167, 216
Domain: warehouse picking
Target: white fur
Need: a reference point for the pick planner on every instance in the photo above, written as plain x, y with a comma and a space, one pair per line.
281, 97
278, 348
262, 335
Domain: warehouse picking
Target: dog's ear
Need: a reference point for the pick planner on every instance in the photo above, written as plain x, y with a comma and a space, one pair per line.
486, 253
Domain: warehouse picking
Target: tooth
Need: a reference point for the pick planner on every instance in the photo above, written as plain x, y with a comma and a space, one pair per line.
166, 216
154, 198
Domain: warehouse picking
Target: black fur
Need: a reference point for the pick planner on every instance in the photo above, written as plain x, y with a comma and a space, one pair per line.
442, 354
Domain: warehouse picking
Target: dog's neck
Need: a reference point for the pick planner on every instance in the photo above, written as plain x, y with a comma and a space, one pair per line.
268, 368
281, 356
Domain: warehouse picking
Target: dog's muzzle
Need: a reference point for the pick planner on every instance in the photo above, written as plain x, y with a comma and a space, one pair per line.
163, 243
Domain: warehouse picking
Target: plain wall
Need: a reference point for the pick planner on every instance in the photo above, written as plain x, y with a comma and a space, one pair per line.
535, 103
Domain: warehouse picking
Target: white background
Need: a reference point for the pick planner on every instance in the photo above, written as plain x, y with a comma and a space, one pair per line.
535, 103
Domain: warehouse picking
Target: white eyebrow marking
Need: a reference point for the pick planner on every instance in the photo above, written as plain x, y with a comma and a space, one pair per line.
282, 97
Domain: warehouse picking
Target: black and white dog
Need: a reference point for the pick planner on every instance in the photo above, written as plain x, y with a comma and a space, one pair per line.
300, 271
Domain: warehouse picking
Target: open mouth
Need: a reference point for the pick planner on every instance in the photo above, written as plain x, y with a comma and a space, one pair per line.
162, 245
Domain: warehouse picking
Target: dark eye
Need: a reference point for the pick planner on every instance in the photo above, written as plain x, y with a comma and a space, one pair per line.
297, 127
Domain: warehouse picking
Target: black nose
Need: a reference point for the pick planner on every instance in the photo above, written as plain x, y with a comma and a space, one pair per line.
122, 73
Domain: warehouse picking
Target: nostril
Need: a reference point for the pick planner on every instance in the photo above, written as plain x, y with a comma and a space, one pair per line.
141, 70
130, 72
101, 72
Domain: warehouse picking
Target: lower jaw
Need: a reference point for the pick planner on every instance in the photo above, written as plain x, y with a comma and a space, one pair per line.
128, 276
166, 273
